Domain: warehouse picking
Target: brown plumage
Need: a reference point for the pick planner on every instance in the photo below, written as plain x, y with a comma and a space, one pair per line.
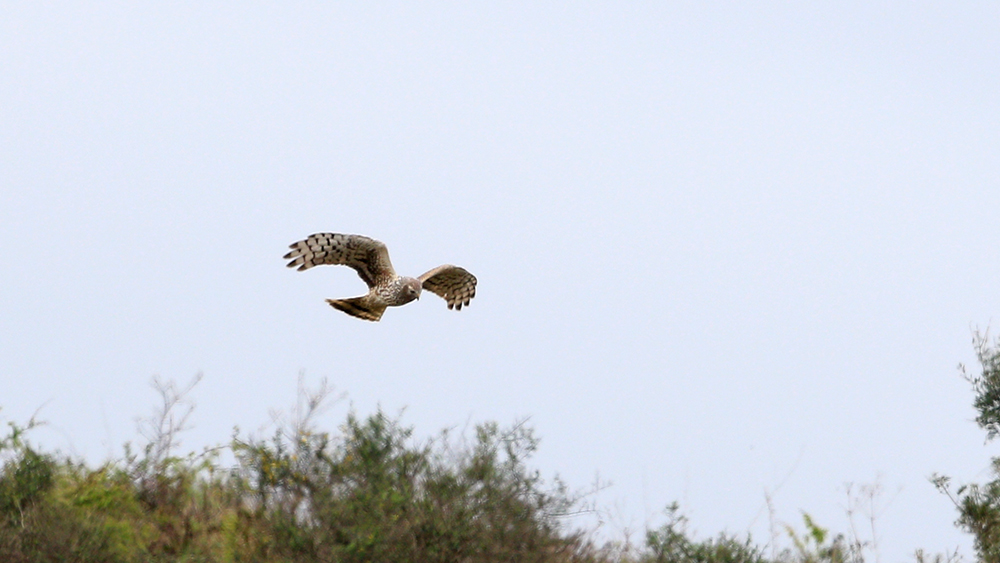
370, 258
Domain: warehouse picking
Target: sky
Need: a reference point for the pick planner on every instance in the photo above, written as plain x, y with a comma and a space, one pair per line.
726, 251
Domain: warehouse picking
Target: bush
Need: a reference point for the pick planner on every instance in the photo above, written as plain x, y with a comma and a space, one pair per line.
367, 494
979, 505
671, 543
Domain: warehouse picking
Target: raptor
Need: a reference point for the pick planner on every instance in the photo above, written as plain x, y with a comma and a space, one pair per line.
370, 258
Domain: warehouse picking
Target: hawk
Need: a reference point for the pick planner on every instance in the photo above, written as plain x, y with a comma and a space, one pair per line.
370, 258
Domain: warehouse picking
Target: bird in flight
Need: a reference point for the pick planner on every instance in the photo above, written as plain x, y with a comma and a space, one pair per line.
370, 258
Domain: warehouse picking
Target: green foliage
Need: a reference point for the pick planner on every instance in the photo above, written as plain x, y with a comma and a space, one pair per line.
979, 511
374, 497
986, 385
813, 547
368, 493
979, 505
53, 510
671, 543
25, 479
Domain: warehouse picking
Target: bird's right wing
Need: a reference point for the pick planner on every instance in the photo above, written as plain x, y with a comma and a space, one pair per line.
366, 255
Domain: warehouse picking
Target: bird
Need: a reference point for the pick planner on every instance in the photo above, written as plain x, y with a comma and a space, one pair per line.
370, 258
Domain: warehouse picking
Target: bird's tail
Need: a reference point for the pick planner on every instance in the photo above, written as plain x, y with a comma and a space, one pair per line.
360, 307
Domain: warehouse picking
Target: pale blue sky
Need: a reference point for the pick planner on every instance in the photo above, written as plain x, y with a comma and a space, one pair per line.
723, 249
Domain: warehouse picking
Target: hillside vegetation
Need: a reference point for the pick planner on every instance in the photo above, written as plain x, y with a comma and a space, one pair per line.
370, 492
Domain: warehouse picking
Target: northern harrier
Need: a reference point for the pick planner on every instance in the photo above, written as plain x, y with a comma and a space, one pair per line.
385, 288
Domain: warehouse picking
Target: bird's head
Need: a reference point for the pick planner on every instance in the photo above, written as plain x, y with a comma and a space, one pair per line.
411, 289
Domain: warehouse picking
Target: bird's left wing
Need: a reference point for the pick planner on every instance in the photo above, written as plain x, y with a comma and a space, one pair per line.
455, 285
